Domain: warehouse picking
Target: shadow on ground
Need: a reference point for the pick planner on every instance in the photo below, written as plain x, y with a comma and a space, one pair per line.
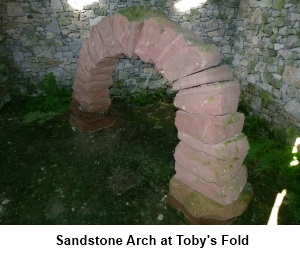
54, 174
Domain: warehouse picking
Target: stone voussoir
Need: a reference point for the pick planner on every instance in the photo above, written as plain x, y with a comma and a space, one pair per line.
88, 67
209, 129
121, 26
165, 39
86, 87
105, 28
230, 148
148, 37
206, 167
99, 73
203, 209
95, 47
191, 59
224, 195
212, 75
172, 49
214, 99
135, 29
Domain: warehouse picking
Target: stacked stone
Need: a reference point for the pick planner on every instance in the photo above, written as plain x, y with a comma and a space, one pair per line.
155, 40
210, 180
112, 38
209, 158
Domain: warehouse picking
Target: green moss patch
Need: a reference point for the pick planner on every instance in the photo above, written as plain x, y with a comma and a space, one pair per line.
140, 13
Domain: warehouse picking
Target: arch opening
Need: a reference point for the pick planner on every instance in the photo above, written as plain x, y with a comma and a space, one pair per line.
210, 184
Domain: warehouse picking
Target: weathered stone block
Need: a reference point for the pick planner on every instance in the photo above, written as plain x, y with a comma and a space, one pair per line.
148, 37
90, 97
209, 129
53, 27
121, 32
81, 114
220, 73
135, 29
203, 209
89, 67
91, 86
94, 49
97, 106
206, 167
105, 28
230, 148
165, 39
172, 49
105, 71
215, 99
224, 195
293, 108
191, 59
93, 126
14, 10
57, 6
291, 76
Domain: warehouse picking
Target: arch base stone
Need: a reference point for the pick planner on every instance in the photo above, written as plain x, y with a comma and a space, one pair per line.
199, 209
87, 121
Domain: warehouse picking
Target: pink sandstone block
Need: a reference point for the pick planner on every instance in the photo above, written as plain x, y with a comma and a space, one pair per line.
209, 129
165, 39
96, 74
148, 37
215, 74
91, 97
96, 50
233, 147
90, 84
81, 114
106, 66
172, 49
121, 32
96, 107
86, 63
214, 99
86, 87
93, 78
201, 207
135, 29
191, 59
206, 167
224, 195
107, 34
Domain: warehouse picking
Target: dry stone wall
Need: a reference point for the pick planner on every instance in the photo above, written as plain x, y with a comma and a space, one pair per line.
259, 38
39, 37
267, 61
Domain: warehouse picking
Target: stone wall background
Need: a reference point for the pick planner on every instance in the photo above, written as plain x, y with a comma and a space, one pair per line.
260, 39
267, 60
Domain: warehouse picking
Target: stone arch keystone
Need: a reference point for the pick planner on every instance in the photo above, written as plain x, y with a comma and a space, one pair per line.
210, 184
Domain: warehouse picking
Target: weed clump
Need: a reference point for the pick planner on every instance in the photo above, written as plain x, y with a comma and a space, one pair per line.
140, 13
143, 98
269, 164
53, 101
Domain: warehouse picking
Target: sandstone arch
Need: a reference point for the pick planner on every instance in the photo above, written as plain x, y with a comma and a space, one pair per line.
210, 183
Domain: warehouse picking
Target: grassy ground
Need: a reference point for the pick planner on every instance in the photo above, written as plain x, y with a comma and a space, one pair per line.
54, 174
